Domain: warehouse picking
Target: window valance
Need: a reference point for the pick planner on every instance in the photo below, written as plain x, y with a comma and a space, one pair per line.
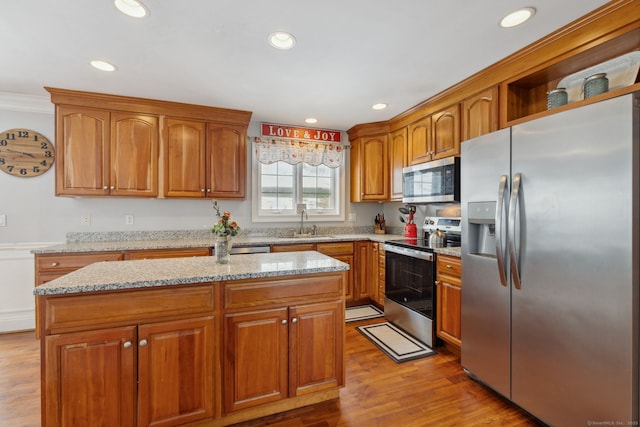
271, 150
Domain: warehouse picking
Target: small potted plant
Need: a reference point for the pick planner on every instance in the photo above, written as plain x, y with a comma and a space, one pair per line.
223, 230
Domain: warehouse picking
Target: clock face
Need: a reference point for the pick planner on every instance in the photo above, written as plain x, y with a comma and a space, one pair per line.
25, 153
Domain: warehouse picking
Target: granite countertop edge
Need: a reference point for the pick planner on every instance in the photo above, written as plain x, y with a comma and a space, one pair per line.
155, 273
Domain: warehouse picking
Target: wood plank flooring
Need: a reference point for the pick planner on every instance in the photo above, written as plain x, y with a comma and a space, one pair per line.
433, 391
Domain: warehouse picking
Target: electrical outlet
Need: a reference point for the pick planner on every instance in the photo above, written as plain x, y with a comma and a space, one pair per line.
128, 219
352, 217
85, 220
3, 220
301, 207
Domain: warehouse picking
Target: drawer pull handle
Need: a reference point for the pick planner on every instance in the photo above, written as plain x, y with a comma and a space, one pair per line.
143, 343
54, 264
449, 266
127, 344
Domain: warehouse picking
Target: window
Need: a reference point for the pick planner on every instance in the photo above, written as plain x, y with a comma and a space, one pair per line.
279, 187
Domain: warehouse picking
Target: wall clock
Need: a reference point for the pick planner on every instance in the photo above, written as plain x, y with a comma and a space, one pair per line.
25, 153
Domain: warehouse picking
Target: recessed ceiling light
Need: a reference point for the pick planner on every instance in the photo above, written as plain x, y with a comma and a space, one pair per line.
379, 106
102, 65
131, 7
282, 40
311, 120
518, 17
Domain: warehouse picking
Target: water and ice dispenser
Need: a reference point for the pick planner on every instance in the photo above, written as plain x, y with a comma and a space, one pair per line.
482, 228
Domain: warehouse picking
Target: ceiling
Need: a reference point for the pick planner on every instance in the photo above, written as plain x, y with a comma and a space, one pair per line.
349, 54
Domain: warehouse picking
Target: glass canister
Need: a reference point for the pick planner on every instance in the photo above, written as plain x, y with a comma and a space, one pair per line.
557, 97
595, 85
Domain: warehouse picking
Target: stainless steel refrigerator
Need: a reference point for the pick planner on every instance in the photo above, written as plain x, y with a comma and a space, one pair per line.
550, 263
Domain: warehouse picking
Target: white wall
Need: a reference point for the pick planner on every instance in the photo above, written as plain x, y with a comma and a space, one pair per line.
34, 214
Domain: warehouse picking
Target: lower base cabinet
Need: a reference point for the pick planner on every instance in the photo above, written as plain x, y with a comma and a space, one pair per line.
449, 302
282, 352
166, 367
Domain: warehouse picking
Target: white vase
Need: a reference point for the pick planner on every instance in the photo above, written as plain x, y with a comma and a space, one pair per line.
222, 249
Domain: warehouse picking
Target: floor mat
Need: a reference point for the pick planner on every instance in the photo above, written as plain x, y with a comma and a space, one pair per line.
362, 312
394, 342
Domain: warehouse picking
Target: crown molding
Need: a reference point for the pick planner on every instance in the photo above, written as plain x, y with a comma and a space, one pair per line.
26, 103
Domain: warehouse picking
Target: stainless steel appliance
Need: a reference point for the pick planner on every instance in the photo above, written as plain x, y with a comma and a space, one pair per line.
410, 291
550, 311
431, 182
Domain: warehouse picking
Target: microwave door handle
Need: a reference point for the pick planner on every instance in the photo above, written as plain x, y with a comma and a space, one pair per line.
515, 192
502, 187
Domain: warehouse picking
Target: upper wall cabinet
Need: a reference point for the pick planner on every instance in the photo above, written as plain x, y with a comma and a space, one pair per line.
397, 161
369, 163
106, 153
110, 146
435, 136
480, 114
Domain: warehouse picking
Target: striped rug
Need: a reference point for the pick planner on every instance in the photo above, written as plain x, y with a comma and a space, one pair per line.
394, 342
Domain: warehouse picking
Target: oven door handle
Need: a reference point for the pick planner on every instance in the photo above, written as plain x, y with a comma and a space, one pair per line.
498, 224
427, 256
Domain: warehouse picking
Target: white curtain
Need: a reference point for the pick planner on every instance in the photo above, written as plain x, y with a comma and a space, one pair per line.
271, 150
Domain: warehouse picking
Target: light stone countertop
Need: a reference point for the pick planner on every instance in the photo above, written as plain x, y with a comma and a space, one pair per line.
453, 251
181, 243
108, 276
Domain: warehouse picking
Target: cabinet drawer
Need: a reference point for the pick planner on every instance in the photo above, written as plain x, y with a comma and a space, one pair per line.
294, 247
257, 292
168, 253
338, 248
451, 266
74, 262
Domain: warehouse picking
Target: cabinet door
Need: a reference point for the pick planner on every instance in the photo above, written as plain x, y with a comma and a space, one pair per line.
82, 138
374, 168
349, 287
363, 273
419, 142
256, 358
134, 155
90, 378
448, 312
480, 114
175, 372
227, 161
184, 158
381, 274
397, 161
373, 262
316, 342
446, 132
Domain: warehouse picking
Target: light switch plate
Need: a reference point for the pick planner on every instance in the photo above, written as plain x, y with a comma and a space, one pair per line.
3, 220
85, 220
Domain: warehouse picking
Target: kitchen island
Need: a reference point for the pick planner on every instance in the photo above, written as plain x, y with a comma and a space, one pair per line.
185, 340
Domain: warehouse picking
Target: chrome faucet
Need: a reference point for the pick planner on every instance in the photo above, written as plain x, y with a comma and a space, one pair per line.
303, 213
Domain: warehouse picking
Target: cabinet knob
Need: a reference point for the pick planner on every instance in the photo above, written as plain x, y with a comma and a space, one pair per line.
284, 321
202, 190
127, 344
436, 282
143, 343
105, 188
294, 320
54, 264
449, 266
208, 190
112, 187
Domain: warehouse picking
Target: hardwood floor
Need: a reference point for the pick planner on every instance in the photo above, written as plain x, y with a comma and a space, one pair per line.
433, 391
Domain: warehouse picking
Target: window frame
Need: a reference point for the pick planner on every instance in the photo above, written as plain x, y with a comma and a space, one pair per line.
313, 214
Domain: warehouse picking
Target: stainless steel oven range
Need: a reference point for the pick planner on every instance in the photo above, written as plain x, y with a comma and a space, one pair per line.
410, 291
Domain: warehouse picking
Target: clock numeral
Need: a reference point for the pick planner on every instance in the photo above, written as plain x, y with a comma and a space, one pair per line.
35, 137
2, 161
23, 134
43, 145
10, 168
11, 136
47, 153
43, 163
36, 169
3, 142
23, 171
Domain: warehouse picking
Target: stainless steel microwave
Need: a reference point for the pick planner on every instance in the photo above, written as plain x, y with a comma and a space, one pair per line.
432, 182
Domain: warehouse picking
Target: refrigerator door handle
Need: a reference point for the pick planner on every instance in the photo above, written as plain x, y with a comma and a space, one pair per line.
511, 241
502, 187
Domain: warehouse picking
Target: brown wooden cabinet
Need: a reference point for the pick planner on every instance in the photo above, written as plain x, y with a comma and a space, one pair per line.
104, 153
167, 253
376, 289
282, 352
397, 161
95, 377
109, 145
369, 168
435, 136
480, 114
364, 275
293, 247
449, 301
343, 251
